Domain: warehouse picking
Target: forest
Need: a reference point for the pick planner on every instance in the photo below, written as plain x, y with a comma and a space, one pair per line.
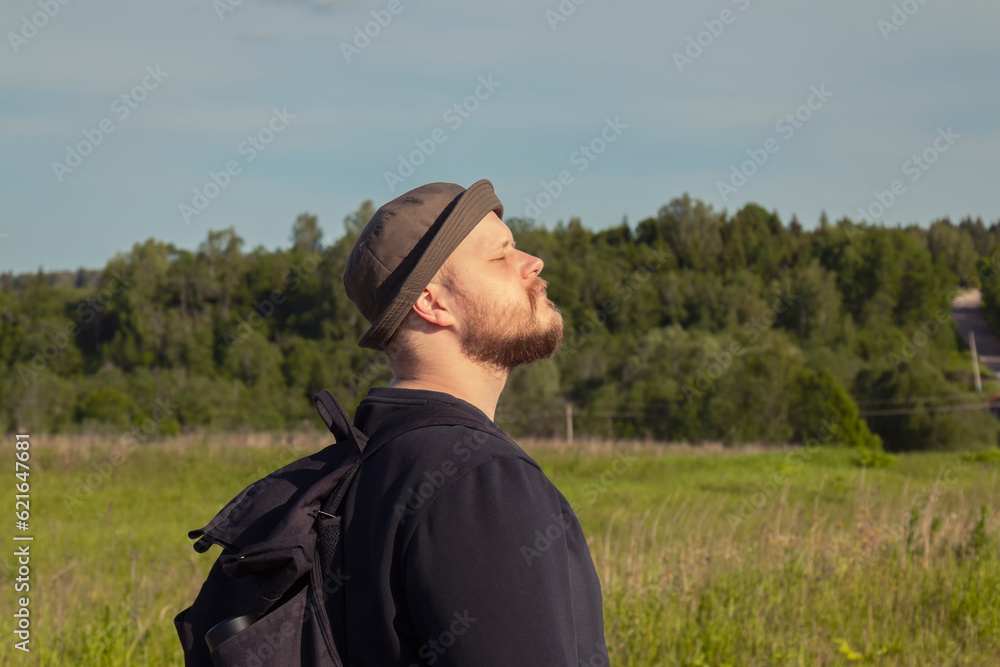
691, 326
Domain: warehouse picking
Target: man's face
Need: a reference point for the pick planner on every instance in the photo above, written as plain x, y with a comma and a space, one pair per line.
505, 317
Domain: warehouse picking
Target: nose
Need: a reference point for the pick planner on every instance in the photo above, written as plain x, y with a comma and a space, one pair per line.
531, 265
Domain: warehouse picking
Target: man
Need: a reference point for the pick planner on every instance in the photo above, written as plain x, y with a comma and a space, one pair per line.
457, 549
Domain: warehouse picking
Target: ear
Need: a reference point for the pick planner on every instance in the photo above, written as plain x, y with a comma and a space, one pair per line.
435, 306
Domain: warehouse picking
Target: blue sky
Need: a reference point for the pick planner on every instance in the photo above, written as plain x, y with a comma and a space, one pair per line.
684, 116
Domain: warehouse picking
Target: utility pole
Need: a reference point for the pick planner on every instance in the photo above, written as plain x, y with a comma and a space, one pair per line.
569, 423
975, 361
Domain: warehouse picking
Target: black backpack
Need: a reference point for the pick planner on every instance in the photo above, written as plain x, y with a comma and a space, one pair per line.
275, 595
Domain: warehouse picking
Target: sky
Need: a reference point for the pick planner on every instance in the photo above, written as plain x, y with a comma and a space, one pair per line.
128, 121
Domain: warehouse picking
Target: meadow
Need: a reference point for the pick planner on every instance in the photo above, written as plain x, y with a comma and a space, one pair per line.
707, 555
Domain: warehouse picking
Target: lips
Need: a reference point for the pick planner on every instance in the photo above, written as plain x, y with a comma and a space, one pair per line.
542, 284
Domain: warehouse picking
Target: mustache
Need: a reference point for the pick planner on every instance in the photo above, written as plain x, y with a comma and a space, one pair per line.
539, 287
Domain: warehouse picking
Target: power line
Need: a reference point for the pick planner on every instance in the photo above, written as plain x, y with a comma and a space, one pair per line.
909, 399
547, 415
932, 408
970, 403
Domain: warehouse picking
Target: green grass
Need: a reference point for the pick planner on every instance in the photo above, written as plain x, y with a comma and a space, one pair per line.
705, 559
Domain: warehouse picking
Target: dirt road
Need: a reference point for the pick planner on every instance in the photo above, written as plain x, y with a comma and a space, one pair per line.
965, 310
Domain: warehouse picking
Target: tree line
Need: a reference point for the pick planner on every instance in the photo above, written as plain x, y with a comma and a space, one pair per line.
694, 325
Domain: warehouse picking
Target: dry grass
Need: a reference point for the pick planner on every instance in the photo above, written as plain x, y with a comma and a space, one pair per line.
732, 559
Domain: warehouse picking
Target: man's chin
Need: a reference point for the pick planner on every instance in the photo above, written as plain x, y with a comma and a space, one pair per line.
553, 339
539, 338
550, 323
559, 327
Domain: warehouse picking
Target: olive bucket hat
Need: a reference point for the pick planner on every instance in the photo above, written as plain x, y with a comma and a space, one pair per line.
403, 246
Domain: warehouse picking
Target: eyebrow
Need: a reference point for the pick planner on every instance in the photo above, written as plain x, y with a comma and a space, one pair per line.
507, 242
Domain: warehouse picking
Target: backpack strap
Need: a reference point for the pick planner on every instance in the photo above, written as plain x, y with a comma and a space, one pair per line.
337, 421
440, 417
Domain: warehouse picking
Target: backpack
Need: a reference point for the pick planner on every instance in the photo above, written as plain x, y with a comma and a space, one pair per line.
276, 593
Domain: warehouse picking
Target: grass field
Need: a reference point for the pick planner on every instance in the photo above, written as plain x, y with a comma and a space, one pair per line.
787, 557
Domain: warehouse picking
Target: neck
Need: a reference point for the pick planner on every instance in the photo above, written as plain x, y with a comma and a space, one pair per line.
471, 382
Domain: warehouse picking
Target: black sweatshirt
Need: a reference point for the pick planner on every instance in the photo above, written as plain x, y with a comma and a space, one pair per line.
458, 550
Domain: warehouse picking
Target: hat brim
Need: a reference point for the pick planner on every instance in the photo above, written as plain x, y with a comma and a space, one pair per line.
469, 209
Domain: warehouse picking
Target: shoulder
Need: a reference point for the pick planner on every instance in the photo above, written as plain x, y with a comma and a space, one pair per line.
493, 513
444, 464
485, 484
408, 474
457, 447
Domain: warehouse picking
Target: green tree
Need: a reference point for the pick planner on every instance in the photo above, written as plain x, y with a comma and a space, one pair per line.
306, 234
355, 222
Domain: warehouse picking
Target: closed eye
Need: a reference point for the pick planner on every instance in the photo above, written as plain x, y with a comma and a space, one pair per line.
510, 243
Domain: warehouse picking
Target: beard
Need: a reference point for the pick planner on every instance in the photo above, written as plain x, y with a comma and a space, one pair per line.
509, 336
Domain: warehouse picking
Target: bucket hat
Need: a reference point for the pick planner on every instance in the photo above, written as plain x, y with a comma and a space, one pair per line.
404, 245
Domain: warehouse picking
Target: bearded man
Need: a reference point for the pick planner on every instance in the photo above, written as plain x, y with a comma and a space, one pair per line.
458, 550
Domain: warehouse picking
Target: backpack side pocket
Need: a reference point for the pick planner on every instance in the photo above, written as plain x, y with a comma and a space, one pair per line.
273, 639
